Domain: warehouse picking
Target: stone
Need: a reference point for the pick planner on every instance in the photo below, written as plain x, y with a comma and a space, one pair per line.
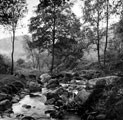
34, 86
60, 91
53, 83
14, 89
50, 101
15, 99
101, 117
102, 81
45, 78
90, 74
50, 95
5, 104
82, 96
19, 85
3, 96
4, 90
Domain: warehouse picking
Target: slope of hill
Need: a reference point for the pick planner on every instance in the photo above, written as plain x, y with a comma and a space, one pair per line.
6, 45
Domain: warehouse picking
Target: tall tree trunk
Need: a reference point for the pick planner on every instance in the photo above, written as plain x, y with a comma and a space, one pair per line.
98, 37
39, 59
106, 42
53, 40
12, 54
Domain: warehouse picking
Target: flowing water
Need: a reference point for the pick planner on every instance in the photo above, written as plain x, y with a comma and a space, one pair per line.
34, 106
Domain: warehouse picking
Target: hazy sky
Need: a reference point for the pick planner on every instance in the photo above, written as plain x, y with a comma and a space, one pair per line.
25, 20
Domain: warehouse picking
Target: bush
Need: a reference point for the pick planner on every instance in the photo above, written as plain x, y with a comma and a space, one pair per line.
4, 65
20, 61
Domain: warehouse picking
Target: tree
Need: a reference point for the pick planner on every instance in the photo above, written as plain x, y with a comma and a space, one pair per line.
16, 11
51, 7
67, 53
52, 22
97, 12
112, 8
28, 46
107, 20
93, 15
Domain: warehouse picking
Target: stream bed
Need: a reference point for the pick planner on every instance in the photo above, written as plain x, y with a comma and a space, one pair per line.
33, 105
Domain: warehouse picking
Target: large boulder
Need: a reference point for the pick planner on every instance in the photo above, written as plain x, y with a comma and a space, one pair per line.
82, 96
18, 84
34, 86
106, 98
15, 99
90, 74
50, 101
68, 75
14, 89
102, 81
4, 105
45, 78
51, 95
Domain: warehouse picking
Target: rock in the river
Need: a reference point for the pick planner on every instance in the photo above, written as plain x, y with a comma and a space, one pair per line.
102, 81
50, 95
45, 78
67, 76
24, 93
90, 74
4, 96
4, 90
101, 117
14, 89
5, 104
82, 96
34, 87
18, 84
15, 99
50, 101
61, 90
53, 83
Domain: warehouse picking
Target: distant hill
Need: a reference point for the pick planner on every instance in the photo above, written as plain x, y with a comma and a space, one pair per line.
6, 45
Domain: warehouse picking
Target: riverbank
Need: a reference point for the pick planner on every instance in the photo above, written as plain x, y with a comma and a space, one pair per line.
86, 95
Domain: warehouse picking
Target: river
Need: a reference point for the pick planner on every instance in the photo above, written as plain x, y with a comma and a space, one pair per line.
34, 105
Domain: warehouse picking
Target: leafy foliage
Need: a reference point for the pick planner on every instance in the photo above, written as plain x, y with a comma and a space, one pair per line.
67, 52
12, 11
57, 30
20, 61
16, 10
